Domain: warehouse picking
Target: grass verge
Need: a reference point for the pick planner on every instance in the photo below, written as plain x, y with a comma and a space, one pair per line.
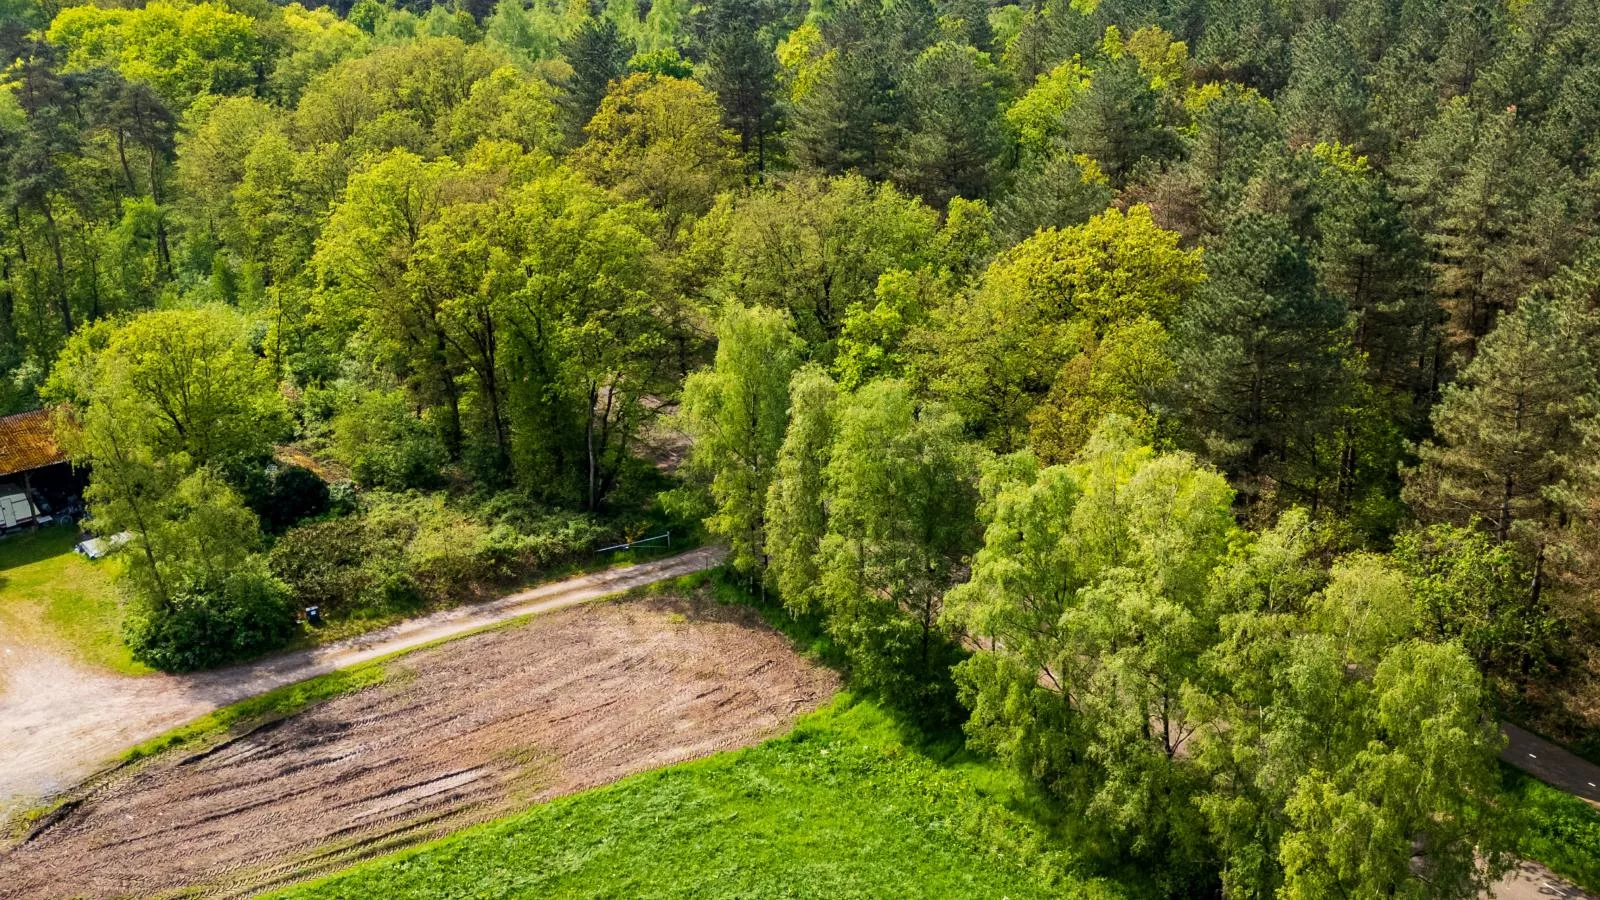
1556, 829
842, 806
274, 704
338, 629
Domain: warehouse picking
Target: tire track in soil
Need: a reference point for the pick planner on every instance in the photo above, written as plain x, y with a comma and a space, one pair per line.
473, 729
60, 722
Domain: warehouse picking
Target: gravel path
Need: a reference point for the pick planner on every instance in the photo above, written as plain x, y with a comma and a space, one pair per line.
60, 722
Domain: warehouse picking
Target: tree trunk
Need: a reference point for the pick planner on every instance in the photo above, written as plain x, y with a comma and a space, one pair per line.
64, 303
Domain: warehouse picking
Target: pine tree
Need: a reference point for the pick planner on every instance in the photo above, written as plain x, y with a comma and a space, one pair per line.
1326, 99
954, 142
598, 54
1260, 364
1118, 121
1508, 431
742, 70
854, 114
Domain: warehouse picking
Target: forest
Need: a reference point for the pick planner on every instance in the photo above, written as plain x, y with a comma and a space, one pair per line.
1195, 402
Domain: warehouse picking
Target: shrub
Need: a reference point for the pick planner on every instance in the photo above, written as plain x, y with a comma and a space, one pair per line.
327, 564
242, 614
384, 444
294, 494
401, 551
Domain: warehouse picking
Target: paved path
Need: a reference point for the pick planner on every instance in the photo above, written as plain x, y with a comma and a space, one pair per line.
60, 722
1551, 764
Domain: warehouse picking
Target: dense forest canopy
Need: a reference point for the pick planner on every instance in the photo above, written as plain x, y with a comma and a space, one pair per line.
1197, 398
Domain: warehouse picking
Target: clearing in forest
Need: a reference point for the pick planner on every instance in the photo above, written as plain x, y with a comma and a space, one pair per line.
456, 734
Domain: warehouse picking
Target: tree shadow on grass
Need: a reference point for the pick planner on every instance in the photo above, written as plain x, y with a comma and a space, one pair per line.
25, 548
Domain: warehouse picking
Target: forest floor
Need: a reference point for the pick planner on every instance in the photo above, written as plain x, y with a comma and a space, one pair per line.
62, 720
454, 735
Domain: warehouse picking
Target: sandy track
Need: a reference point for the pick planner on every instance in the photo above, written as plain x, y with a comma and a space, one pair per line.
465, 732
60, 722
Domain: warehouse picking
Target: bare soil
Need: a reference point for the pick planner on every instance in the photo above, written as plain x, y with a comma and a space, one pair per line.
459, 734
60, 721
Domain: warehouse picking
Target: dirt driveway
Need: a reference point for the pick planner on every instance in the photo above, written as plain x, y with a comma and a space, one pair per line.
461, 733
61, 722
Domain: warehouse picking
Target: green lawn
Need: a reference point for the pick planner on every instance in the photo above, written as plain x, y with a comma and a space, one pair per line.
54, 598
840, 807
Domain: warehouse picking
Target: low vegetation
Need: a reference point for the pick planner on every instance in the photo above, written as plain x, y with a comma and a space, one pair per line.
1556, 829
57, 599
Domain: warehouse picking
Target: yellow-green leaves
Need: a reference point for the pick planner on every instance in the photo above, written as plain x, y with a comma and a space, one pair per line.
1038, 118
180, 50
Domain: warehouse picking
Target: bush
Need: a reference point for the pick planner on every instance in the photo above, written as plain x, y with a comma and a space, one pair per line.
280, 495
244, 614
402, 551
294, 494
384, 444
328, 564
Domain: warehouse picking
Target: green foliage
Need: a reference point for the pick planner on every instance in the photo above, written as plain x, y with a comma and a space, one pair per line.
900, 500
384, 443
399, 552
997, 351
244, 614
1427, 781
660, 140
1475, 591
174, 384
1038, 118
1260, 373
736, 412
182, 51
741, 68
1090, 589
201, 593
954, 137
282, 495
853, 112
796, 512
598, 54
530, 31
158, 406
815, 247
1508, 430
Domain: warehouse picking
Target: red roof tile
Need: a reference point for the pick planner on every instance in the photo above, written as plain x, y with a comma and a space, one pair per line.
27, 441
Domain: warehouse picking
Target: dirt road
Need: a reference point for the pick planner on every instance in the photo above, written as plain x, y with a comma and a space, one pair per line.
460, 733
59, 722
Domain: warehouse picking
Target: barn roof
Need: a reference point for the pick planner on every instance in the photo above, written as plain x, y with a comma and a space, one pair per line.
27, 441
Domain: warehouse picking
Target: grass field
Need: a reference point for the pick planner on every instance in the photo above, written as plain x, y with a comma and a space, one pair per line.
840, 807
53, 598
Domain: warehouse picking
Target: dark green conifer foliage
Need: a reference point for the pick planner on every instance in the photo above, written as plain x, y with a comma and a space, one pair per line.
598, 54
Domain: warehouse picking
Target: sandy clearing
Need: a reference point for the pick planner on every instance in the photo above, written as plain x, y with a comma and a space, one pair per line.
468, 731
61, 722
